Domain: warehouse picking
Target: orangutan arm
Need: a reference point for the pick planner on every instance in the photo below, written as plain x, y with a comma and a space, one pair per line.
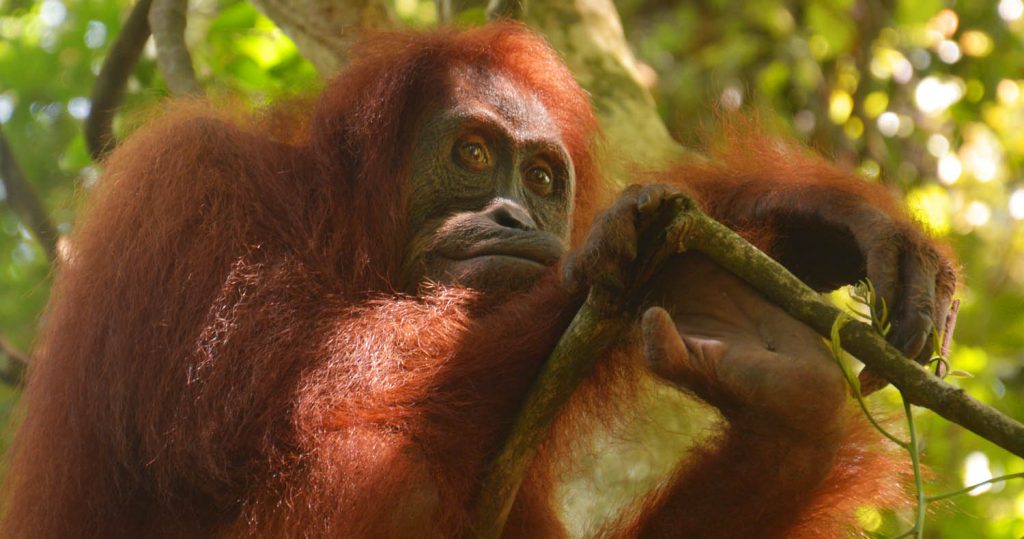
785, 407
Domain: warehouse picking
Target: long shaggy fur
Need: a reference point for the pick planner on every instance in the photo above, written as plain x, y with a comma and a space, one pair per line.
224, 353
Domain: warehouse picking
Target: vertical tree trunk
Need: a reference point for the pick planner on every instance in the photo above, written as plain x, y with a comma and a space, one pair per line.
588, 33
323, 30
590, 37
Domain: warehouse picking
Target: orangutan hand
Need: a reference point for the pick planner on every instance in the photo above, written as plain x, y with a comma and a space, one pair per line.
608, 257
718, 338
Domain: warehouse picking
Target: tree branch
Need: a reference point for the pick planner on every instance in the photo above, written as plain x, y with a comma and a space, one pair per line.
17, 361
8, 349
506, 9
592, 42
108, 90
448, 10
324, 30
917, 385
24, 201
592, 332
167, 19
586, 340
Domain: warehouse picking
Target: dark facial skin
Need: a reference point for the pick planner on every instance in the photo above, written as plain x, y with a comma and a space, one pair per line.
490, 189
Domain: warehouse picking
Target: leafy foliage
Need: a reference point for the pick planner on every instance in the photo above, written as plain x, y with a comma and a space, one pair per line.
922, 95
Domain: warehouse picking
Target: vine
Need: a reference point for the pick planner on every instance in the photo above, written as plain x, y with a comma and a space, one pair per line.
876, 314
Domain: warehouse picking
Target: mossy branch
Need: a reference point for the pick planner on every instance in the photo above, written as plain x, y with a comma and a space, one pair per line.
17, 362
22, 198
506, 9
108, 90
167, 19
589, 335
700, 232
592, 333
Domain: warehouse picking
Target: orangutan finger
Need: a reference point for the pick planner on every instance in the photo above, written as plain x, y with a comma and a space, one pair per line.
913, 316
573, 277
883, 266
609, 247
870, 381
945, 287
650, 198
664, 349
690, 364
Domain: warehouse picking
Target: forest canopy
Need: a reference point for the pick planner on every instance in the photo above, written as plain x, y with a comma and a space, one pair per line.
925, 97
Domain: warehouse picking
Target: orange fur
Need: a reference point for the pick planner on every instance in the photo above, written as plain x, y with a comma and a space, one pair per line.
224, 353
210, 359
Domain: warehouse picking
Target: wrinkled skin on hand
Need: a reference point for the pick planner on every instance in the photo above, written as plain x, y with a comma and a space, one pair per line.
607, 258
845, 239
708, 332
789, 433
715, 336
915, 281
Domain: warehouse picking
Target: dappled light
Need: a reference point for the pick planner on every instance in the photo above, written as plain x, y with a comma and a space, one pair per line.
926, 98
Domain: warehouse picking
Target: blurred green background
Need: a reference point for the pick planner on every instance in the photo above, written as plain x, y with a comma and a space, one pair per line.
926, 96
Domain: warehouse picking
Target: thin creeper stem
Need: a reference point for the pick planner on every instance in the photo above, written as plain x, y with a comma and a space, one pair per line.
915, 458
852, 382
967, 489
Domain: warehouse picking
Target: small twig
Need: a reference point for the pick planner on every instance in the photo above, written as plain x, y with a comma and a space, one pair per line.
168, 18
24, 201
17, 361
8, 349
915, 459
851, 380
108, 90
506, 9
912, 446
967, 489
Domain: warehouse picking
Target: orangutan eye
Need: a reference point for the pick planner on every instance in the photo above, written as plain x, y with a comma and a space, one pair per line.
540, 179
471, 152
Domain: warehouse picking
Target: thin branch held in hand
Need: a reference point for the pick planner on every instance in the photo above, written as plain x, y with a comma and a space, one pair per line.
167, 19
921, 388
108, 90
586, 340
592, 332
23, 200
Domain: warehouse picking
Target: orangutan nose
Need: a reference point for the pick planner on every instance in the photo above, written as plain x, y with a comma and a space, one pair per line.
508, 214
